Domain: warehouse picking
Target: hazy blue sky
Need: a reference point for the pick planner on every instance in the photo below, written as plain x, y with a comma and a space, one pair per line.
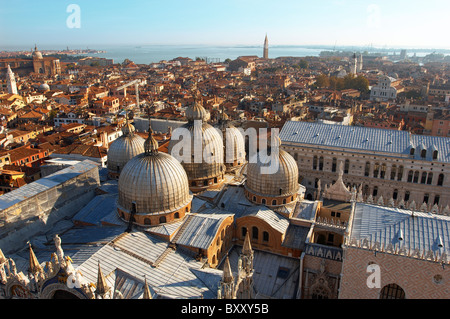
393, 23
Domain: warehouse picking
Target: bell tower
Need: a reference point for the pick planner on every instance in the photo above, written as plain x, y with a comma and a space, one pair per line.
266, 48
11, 81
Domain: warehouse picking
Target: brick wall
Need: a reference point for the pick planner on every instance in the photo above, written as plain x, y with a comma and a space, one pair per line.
414, 276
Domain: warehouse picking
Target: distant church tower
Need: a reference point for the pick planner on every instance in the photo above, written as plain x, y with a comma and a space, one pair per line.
266, 48
360, 63
353, 64
11, 81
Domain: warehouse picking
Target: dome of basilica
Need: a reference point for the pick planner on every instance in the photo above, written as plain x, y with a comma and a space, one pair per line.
272, 179
124, 149
37, 54
153, 188
204, 165
233, 142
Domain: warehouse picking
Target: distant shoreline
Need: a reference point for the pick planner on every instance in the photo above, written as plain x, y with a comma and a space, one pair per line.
154, 53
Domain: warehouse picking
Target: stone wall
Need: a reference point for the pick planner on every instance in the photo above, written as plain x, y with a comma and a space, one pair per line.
40, 210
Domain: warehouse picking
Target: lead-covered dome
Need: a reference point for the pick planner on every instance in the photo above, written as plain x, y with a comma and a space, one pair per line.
233, 143
153, 188
204, 163
37, 54
272, 179
124, 149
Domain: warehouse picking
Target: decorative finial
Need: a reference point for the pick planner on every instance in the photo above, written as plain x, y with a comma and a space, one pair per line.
147, 292
102, 286
151, 144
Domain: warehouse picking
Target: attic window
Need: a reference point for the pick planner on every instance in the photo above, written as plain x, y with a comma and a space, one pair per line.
411, 152
435, 154
423, 153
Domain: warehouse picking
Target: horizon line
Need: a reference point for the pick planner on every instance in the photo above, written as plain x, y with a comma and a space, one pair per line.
330, 46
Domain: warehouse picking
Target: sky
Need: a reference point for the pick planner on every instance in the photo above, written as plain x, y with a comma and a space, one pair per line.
379, 23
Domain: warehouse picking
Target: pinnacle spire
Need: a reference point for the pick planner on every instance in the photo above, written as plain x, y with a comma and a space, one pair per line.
34, 263
147, 293
151, 144
247, 247
102, 286
227, 275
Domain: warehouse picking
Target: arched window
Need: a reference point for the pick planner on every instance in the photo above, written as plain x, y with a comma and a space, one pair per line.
436, 199
383, 170
400, 173
440, 180
375, 191
406, 196
334, 164
392, 291
243, 231
424, 178
176, 215
263, 201
265, 236
426, 197
320, 292
255, 232
376, 170
367, 169
274, 202
254, 198
416, 177
393, 171
346, 166
395, 194
423, 153
435, 155
284, 201
410, 176
315, 162
295, 156
162, 219
321, 163
366, 190
147, 221
430, 178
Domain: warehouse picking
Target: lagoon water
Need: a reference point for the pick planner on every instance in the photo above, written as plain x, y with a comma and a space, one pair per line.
145, 54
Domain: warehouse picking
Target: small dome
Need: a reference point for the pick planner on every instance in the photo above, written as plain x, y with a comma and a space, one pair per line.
196, 112
157, 185
44, 87
122, 150
204, 166
233, 142
271, 176
37, 54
